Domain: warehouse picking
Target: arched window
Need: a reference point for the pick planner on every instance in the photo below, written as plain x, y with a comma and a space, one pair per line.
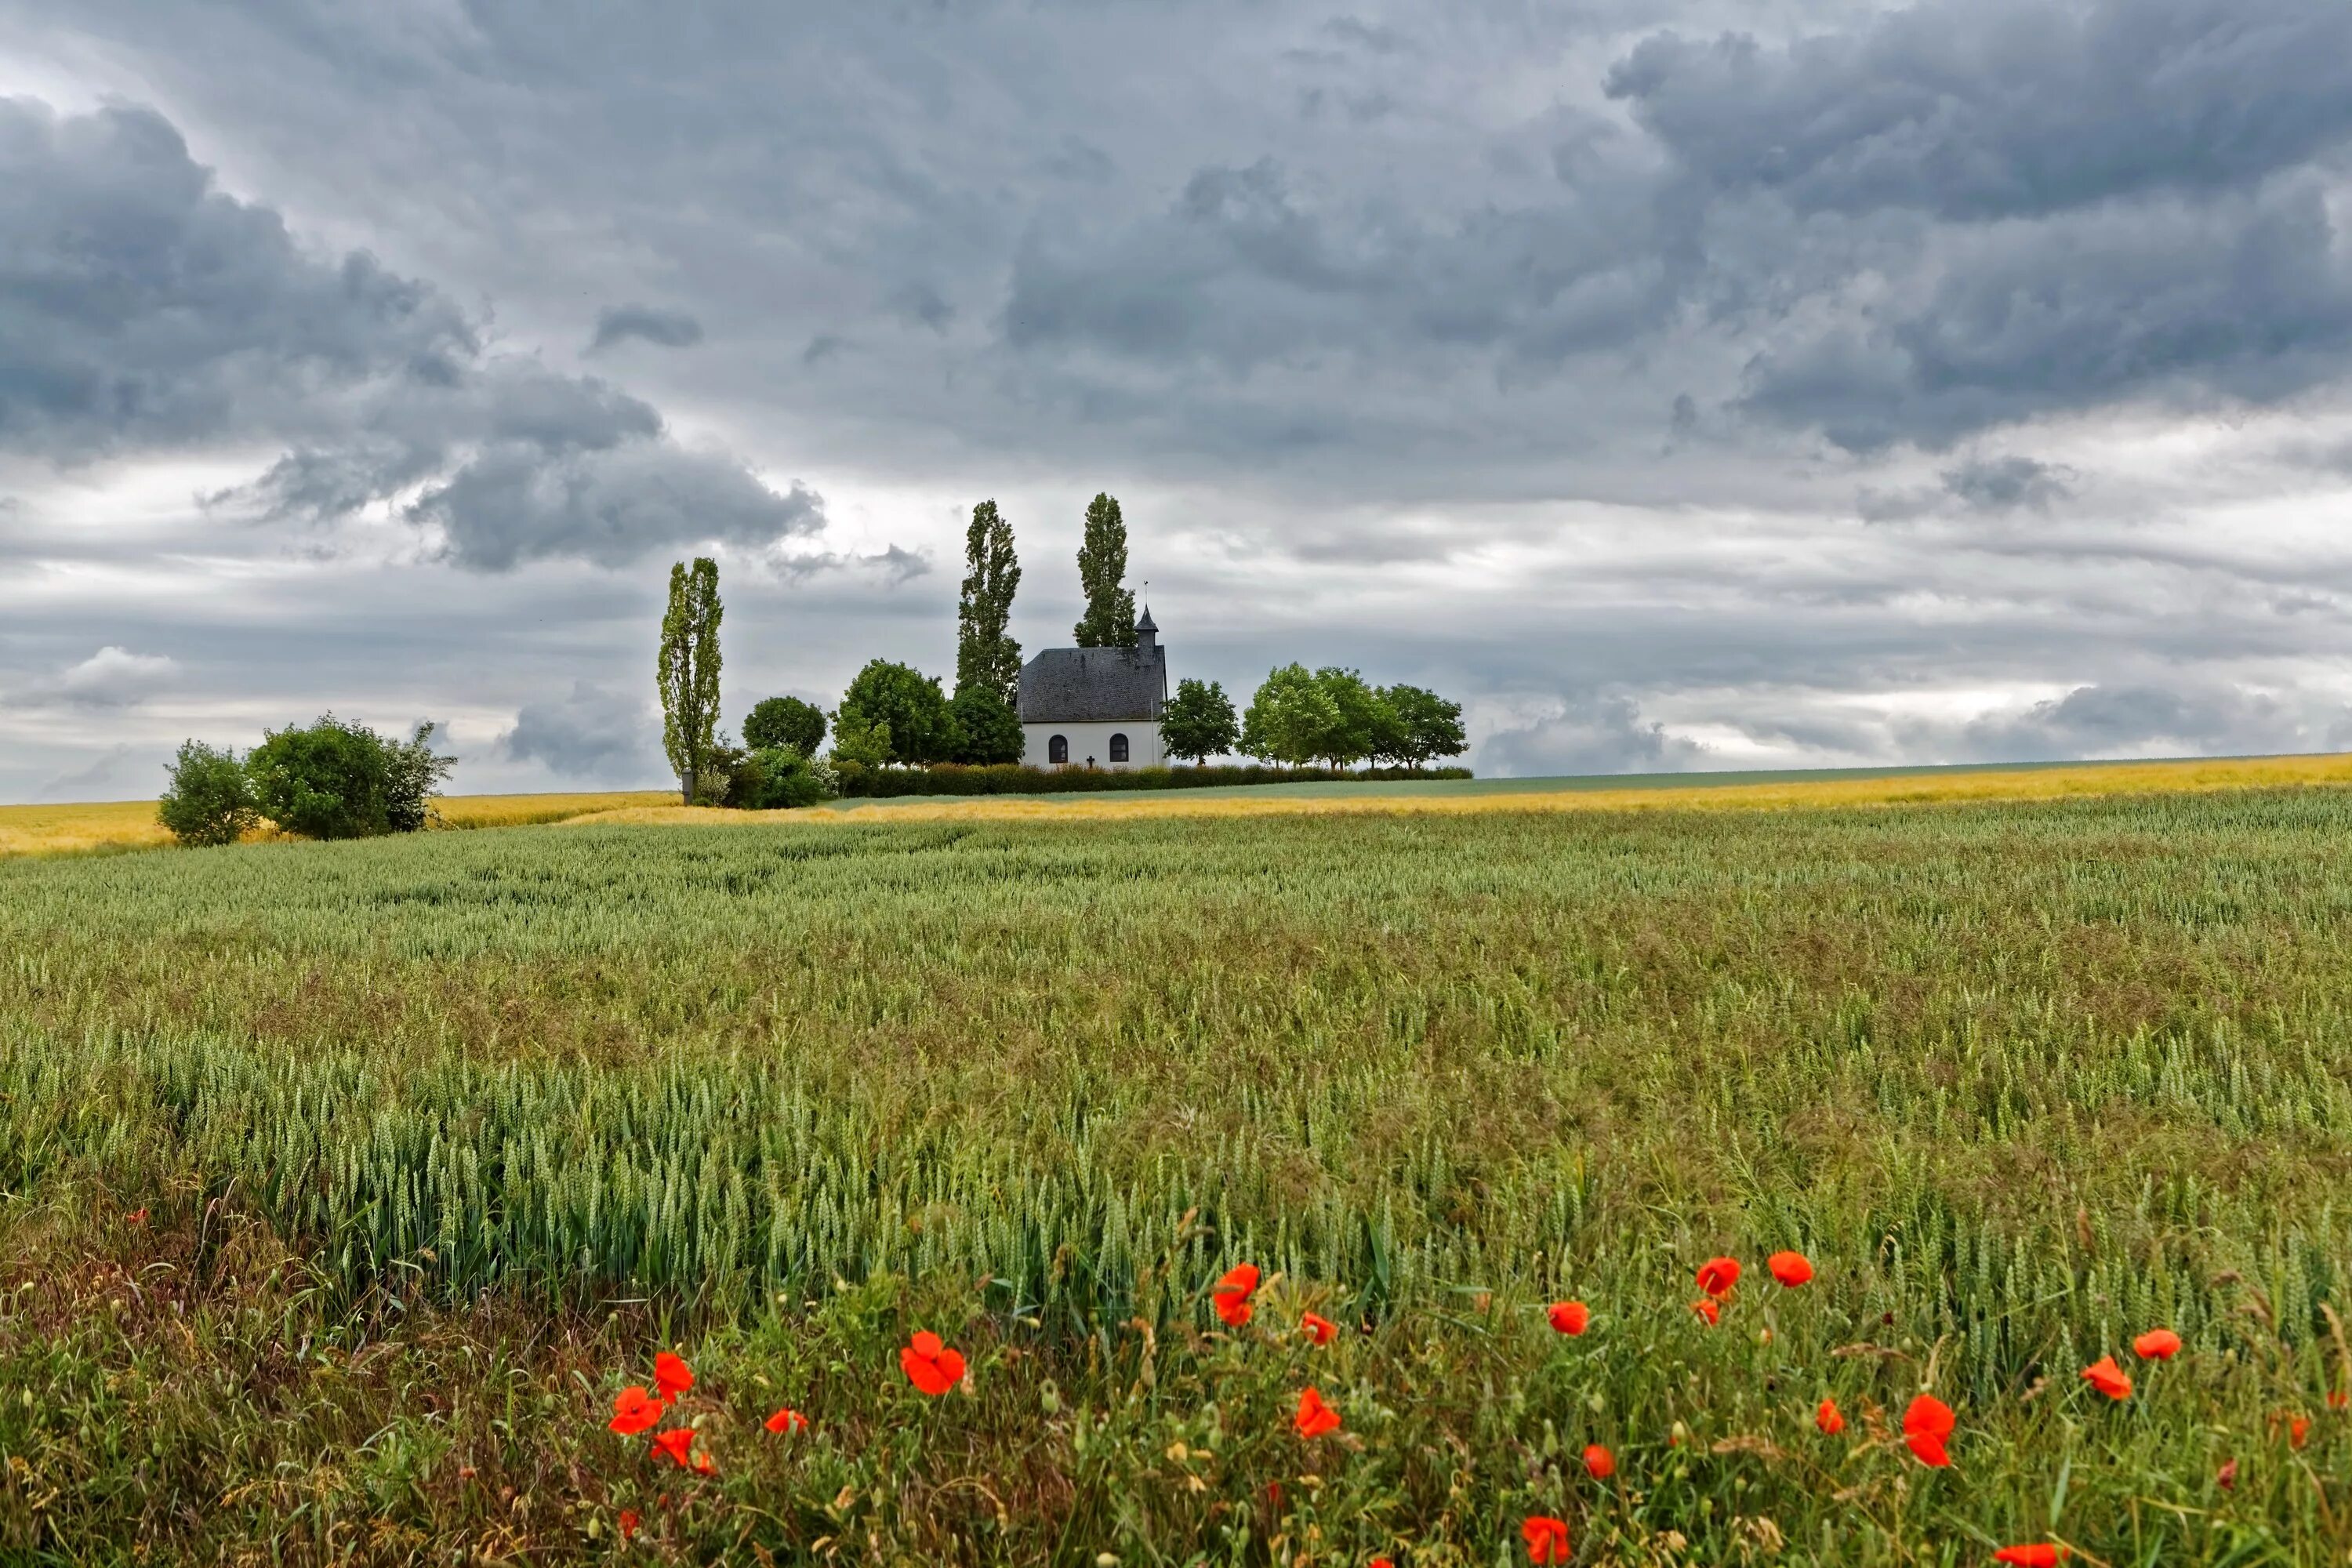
1057, 750
1118, 748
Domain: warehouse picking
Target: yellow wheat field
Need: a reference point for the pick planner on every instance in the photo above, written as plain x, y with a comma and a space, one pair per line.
131, 825
1969, 784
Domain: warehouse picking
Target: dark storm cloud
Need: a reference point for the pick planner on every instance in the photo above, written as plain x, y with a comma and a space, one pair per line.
1986, 109
649, 324
141, 309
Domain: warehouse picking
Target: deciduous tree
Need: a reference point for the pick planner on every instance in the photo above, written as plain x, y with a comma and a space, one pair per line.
986, 656
1199, 722
1109, 620
210, 797
785, 722
687, 669
1431, 726
1290, 720
922, 727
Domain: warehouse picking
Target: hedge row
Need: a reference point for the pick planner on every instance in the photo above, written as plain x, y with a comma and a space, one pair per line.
1012, 778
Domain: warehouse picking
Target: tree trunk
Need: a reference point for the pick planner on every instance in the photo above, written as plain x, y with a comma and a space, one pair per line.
685, 787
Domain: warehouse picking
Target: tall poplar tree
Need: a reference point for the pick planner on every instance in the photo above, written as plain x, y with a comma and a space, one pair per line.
985, 657
687, 669
1109, 620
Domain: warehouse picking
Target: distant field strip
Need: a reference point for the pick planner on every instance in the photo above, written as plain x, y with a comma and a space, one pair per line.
131, 825
1655, 792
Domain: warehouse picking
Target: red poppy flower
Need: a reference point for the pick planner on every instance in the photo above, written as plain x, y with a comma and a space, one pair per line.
2299, 1431
929, 1365
2228, 1475
629, 1522
1829, 1418
1380, 1563
2156, 1345
1569, 1317
1790, 1268
2338, 1399
635, 1411
1320, 1329
136, 1216
702, 1465
1717, 1276
1599, 1462
676, 1442
672, 1377
1315, 1417
786, 1420
1709, 1308
1232, 1296
2040, 1554
1546, 1539
1927, 1428
2108, 1378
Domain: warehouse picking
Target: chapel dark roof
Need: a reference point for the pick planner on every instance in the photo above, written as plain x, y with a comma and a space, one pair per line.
1093, 685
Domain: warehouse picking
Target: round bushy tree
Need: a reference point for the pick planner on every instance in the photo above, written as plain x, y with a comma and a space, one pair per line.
1198, 722
785, 722
987, 728
210, 797
922, 729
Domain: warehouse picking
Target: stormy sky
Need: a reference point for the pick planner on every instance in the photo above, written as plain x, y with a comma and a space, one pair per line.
1681, 383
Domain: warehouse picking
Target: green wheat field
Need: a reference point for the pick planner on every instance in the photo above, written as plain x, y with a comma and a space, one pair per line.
347, 1185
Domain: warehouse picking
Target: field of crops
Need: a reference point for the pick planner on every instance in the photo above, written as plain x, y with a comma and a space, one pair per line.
119, 825
348, 1185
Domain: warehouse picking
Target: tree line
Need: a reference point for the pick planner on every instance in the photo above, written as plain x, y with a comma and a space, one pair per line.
893, 715
336, 780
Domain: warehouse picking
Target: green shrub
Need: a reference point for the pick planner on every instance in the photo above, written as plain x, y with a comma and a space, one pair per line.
954, 778
335, 780
785, 779
210, 798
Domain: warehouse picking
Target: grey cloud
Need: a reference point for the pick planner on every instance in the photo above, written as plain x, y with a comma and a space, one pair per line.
923, 305
1977, 109
108, 772
1588, 732
113, 676
2007, 484
648, 323
1239, 271
140, 306
2195, 716
517, 503
2246, 297
898, 565
593, 734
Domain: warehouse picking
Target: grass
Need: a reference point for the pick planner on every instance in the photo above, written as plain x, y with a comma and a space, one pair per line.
436, 1139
